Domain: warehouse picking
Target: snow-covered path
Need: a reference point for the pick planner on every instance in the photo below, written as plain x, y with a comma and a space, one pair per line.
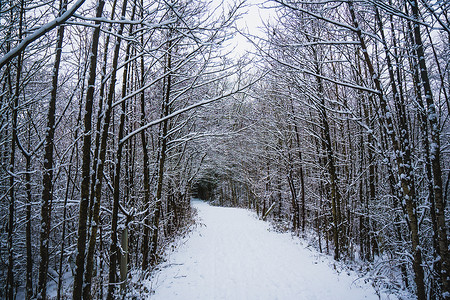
235, 256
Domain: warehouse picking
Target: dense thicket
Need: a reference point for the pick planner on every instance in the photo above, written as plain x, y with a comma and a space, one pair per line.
348, 135
100, 140
342, 138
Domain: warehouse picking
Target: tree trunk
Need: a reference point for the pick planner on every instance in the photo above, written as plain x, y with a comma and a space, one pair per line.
162, 157
116, 197
47, 177
63, 225
301, 172
14, 139
124, 260
29, 273
424, 128
86, 161
335, 196
10, 274
146, 176
435, 153
101, 163
296, 217
101, 101
404, 170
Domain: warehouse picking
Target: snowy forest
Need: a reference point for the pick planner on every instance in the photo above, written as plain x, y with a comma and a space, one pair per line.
334, 126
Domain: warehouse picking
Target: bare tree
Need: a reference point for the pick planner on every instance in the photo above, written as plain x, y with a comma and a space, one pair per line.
86, 157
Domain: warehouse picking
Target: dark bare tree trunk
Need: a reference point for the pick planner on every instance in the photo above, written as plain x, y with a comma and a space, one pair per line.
423, 120
14, 140
101, 163
335, 196
114, 249
10, 274
404, 170
301, 172
29, 275
74, 151
47, 177
435, 153
86, 164
162, 156
145, 166
296, 212
302, 192
63, 234
101, 100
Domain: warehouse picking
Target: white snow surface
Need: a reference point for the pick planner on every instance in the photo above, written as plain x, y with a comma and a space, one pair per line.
233, 255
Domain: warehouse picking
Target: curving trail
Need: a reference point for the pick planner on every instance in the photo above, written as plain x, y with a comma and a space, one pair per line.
235, 256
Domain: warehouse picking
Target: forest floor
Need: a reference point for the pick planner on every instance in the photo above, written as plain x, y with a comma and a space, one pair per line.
233, 255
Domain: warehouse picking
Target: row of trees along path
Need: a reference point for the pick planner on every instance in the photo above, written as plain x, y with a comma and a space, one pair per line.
114, 112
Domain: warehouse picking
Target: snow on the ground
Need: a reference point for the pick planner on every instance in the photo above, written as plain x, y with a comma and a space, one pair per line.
233, 255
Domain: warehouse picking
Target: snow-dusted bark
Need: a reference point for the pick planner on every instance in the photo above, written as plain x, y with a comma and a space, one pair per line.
145, 166
435, 153
162, 153
47, 178
201, 79
115, 248
11, 168
101, 162
40, 32
330, 163
86, 161
401, 155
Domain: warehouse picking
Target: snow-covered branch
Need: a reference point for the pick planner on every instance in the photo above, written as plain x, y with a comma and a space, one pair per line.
40, 32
